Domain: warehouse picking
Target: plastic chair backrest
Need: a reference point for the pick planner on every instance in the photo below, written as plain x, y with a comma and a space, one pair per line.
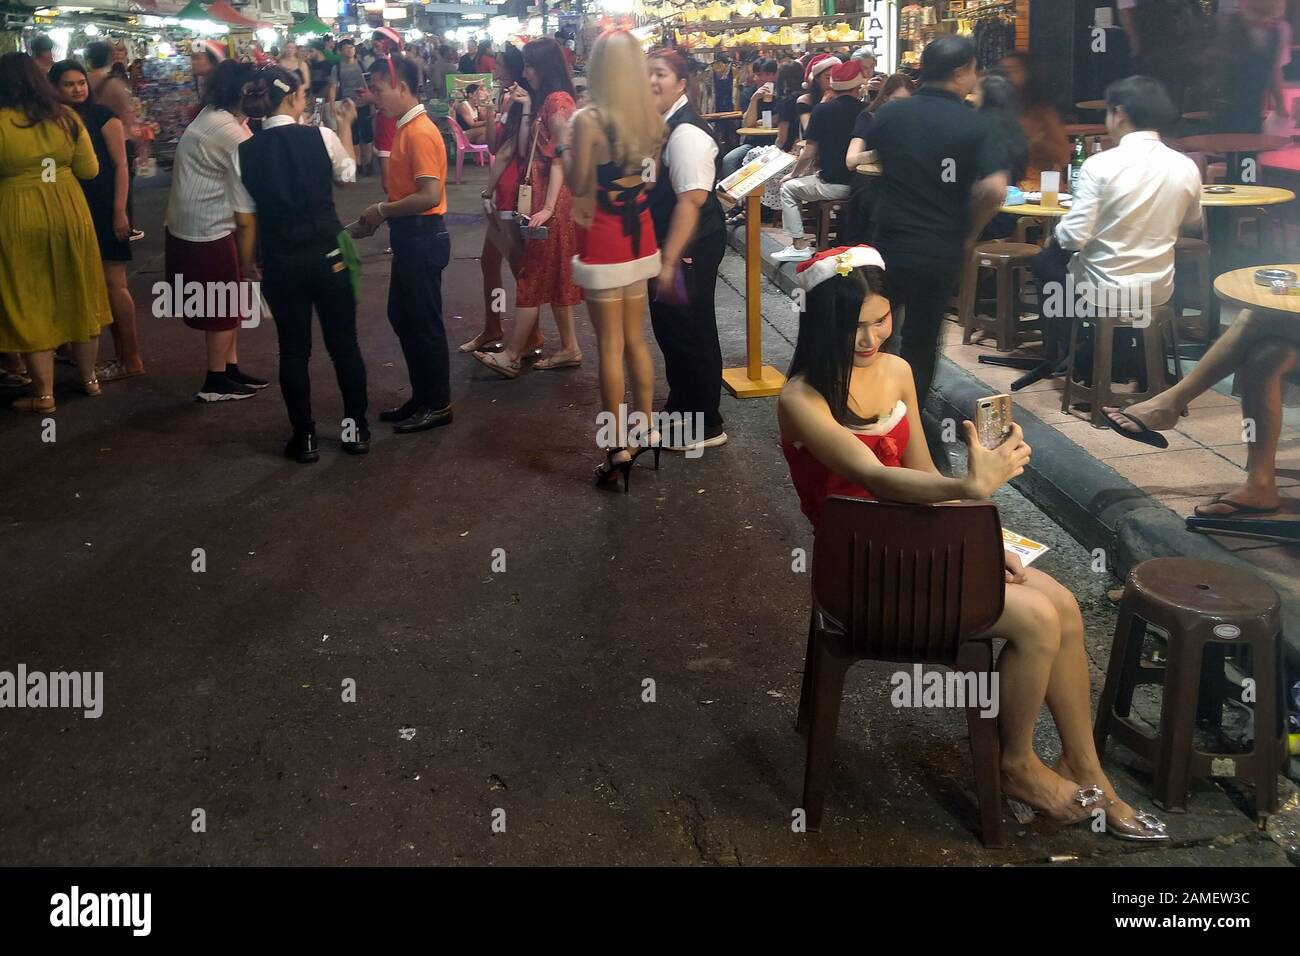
462, 143
908, 582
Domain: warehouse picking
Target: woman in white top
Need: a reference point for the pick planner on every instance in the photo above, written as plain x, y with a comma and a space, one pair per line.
285, 189
469, 115
200, 234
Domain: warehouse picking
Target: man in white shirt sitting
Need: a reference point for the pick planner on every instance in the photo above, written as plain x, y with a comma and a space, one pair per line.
1113, 252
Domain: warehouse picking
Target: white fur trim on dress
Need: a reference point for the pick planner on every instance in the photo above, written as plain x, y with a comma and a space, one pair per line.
615, 275
886, 426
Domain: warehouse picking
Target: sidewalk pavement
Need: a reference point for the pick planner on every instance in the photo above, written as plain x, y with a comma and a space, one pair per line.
1108, 491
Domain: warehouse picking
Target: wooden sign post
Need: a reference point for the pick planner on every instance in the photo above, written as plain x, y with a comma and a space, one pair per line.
754, 380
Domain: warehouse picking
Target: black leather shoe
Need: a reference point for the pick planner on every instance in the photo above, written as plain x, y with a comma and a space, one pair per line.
361, 446
401, 413
302, 448
424, 418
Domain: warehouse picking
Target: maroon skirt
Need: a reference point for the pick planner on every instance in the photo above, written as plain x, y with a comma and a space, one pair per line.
213, 305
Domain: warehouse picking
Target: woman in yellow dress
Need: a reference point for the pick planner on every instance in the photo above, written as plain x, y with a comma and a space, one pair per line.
52, 289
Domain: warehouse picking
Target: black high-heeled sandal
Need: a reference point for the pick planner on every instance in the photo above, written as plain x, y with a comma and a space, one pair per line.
656, 445
609, 469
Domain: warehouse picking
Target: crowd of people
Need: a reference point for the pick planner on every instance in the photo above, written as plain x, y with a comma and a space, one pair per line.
611, 199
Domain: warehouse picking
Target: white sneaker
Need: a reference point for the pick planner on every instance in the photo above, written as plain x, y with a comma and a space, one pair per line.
791, 254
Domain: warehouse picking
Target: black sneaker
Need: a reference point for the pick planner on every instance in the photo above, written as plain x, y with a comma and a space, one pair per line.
221, 388
235, 375
136, 235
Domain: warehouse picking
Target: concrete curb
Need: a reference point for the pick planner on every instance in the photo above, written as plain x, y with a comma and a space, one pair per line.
1093, 502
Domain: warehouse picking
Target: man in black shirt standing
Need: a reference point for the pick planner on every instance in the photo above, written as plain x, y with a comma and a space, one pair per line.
826, 142
941, 183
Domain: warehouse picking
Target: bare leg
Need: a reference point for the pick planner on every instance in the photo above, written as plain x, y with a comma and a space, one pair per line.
494, 296
40, 368
640, 366
524, 329
607, 318
1227, 355
1261, 404
568, 331
221, 348
84, 353
1069, 696
1032, 628
126, 341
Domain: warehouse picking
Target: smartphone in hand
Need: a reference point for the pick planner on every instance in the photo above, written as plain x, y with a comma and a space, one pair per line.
993, 420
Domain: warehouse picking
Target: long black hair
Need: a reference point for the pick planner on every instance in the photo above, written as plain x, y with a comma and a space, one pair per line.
268, 89
224, 89
828, 328
73, 66
544, 56
999, 106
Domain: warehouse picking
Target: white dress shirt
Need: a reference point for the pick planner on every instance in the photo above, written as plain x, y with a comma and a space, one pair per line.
345, 168
198, 208
689, 154
1129, 204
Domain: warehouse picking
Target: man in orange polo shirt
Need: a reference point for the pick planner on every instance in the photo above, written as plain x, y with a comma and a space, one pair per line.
417, 170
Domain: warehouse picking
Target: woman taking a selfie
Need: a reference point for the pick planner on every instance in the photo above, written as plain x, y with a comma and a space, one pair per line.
546, 271
609, 165
847, 417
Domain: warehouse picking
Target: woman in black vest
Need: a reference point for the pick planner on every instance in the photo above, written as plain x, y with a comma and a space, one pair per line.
286, 175
692, 238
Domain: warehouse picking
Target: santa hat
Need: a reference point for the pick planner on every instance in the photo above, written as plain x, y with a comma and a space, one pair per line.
211, 47
838, 261
391, 35
822, 61
846, 77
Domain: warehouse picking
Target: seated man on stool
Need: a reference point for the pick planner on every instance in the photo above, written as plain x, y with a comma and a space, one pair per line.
1130, 203
1263, 348
826, 145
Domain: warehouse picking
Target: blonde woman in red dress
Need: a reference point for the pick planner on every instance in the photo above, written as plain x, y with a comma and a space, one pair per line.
546, 273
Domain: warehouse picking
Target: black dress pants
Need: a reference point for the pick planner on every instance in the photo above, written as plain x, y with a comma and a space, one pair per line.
421, 250
921, 294
688, 336
292, 286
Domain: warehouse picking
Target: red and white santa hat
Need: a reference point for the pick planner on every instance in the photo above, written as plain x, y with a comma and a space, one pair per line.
391, 35
846, 77
838, 261
211, 47
822, 61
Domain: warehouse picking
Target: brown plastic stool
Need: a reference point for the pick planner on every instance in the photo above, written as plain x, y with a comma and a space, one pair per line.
826, 215
1004, 258
1101, 393
1200, 605
1193, 255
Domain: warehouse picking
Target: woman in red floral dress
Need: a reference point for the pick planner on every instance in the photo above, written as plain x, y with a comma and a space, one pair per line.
546, 273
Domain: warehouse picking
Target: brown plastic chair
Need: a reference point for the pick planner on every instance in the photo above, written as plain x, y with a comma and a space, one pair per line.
1006, 259
907, 583
1202, 606
1102, 392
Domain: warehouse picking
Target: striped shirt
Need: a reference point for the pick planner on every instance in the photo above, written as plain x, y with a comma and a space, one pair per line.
198, 209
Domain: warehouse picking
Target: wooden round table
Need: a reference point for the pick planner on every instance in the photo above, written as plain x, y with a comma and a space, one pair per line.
721, 116
1239, 288
1085, 129
757, 131
1035, 209
1092, 106
1246, 195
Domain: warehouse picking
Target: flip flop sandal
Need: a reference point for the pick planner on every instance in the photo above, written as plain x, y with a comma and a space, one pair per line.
493, 345
555, 361
1146, 436
493, 361
32, 403
14, 380
1238, 509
